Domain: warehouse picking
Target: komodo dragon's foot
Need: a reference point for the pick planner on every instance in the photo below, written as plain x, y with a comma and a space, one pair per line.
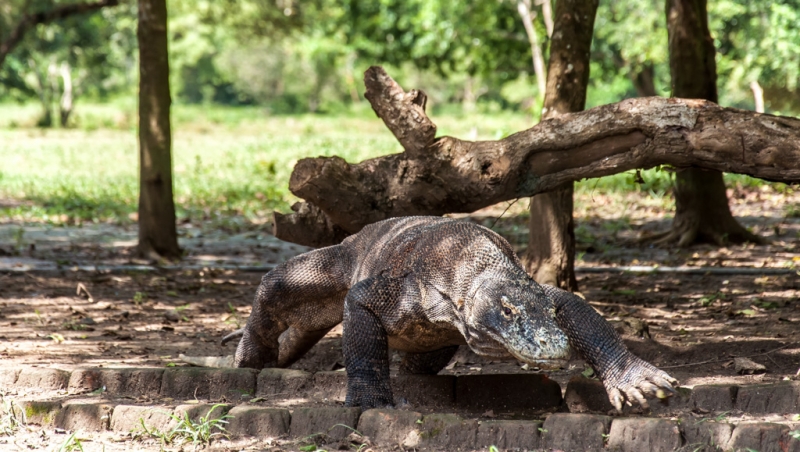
636, 380
368, 395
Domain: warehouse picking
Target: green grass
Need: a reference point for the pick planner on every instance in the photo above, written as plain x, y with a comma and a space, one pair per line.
231, 164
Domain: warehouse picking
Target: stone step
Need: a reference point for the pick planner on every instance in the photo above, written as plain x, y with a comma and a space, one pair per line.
435, 431
511, 394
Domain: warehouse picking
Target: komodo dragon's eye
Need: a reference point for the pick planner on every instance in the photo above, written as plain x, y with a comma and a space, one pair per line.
507, 308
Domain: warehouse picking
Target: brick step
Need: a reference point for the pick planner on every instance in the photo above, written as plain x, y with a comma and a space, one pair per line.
438, 431
511, 393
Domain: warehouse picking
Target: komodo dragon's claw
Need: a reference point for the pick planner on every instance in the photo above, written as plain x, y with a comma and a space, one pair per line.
639, 380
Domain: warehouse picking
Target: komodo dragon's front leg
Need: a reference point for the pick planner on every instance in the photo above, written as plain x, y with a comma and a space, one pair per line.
295, 305
626, 377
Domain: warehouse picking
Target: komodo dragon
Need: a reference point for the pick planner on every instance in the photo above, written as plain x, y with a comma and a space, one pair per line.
425, 285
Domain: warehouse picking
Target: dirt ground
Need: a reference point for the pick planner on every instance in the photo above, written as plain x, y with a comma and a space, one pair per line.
697, 323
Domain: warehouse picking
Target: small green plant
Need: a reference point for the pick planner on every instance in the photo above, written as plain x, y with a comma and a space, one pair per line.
71, 444
180, 309
709, 299
11, 419
19, 237
311, 448
201, 431
493, 448
795, 434
139, 298
233, 316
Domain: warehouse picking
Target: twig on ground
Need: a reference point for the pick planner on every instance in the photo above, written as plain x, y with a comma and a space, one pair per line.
504, 212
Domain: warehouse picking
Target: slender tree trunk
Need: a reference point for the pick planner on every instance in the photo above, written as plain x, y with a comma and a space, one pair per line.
157, 233
66, 104
758, 96
524, 9
547, 16
550, 257
701, 204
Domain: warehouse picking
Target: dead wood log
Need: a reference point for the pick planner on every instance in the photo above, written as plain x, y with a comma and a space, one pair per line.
445, 175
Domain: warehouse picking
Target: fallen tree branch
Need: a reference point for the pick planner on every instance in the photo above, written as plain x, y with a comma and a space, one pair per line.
447, 175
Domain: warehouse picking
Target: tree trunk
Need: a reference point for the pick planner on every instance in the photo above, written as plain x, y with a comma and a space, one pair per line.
157, 233
524, 9
758, 96
438, 175
66, 104
550, 257
701, 204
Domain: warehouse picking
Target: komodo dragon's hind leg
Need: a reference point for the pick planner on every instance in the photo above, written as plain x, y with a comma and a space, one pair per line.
295, 305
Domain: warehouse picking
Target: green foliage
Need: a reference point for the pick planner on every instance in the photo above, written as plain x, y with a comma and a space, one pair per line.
201, 431
294, 57
96, 50
70, 444
758, 41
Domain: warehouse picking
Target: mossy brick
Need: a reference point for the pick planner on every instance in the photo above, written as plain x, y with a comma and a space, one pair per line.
507, 392
283, 383
259, 422
208, 383
705, 433
449, 431
522, 435
133, 382
330, 386
84, 416
335, 422
40, 412
760, 436
775, 398
584, 395
714, 398
390, 427
8, 377
638, 434
437, 391
575, 432
129, 418
42, 378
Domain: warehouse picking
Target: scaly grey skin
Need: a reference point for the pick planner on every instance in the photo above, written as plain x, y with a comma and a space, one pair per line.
424, 285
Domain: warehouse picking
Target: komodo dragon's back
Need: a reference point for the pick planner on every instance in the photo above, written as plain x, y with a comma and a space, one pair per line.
423, 285
426, 245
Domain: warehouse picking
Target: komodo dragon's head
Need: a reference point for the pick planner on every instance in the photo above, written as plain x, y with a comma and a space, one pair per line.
509, 313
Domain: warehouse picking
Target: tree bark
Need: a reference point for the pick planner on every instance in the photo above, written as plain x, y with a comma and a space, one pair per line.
157, 232
701, 204
441, 175
550, 256
29, 21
